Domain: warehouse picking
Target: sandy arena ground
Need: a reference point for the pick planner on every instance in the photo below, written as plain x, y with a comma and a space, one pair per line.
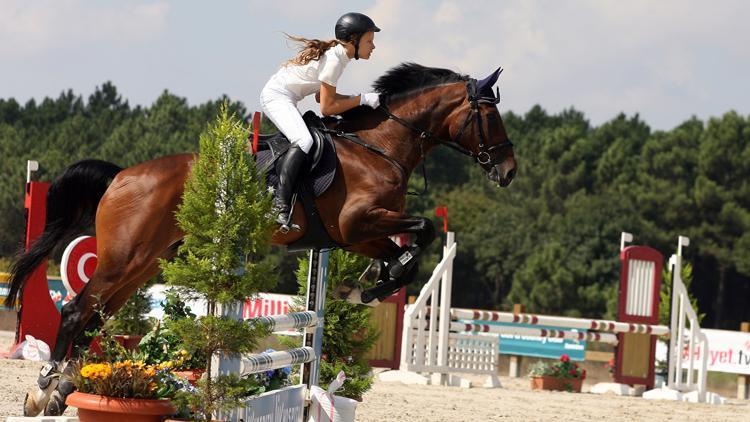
398, 402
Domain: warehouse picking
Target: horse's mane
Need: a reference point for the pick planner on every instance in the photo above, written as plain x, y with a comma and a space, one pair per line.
407, 78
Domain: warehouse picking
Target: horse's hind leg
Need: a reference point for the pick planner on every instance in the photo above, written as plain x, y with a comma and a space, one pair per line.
56, 405
75, 315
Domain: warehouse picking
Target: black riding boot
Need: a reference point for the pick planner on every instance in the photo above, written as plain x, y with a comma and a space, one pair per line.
288, 169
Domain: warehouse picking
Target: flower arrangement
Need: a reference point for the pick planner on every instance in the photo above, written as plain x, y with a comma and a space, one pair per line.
562, 374
126, 379
562, 368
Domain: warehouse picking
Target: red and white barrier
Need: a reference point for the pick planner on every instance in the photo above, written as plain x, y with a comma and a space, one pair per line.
429, 344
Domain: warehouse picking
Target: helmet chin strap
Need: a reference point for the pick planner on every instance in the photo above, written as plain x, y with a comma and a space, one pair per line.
355, 40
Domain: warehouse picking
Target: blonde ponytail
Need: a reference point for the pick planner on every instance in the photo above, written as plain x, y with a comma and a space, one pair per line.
312, 49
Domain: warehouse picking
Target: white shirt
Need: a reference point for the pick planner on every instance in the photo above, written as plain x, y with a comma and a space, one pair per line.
303, 80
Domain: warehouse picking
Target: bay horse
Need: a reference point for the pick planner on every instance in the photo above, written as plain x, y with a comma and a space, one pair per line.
133, 209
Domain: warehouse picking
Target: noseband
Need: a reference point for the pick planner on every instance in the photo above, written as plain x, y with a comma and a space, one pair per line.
483, 157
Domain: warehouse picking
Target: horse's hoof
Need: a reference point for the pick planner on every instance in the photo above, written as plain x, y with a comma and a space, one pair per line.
56, 405
35, 402
371, 274
284, 228
36, 399
352, 293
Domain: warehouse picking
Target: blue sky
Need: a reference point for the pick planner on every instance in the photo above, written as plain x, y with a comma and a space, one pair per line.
667, 60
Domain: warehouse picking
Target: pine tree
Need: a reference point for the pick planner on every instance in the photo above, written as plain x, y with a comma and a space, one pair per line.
348, 334
224, 214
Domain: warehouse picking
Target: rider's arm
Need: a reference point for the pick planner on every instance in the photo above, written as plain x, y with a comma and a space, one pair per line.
338, 96
332, 103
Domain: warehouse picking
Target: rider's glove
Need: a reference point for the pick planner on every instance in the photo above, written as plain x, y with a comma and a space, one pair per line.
371, 99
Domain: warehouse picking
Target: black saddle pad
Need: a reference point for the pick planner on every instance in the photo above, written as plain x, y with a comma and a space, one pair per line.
323, 152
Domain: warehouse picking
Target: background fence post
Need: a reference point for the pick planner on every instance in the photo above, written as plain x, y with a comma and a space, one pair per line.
515, 361
742, 380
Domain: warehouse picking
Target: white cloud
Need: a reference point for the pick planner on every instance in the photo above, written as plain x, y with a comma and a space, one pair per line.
32, 28
664, 59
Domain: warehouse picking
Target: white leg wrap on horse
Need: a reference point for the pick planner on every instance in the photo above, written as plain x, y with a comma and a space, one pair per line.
37, 399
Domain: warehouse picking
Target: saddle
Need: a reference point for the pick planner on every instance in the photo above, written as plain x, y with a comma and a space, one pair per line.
312, 182
321, 157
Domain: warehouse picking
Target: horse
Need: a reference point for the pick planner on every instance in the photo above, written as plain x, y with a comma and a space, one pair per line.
133, 209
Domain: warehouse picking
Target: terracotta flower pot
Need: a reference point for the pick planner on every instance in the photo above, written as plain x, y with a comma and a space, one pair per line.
93, 407
128, 342
192, 375
557, 384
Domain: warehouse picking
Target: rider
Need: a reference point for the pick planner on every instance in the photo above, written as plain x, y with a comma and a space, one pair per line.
315, 69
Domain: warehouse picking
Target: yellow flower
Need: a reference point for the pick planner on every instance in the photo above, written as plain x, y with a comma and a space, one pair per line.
165, 365
96, 370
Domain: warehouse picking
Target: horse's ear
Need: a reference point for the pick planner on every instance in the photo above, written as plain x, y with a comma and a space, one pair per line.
484, 87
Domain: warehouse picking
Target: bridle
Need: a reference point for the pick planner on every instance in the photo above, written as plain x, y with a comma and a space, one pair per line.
483, 157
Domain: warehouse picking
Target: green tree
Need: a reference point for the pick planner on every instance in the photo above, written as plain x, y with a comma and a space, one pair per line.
347, 333
224, 215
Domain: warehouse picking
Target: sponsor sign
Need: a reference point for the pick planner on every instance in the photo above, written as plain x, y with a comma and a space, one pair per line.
264, 304
267, 304
728, 351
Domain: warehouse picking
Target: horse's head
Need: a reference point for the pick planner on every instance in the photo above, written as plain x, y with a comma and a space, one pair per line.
469, 117
478, 130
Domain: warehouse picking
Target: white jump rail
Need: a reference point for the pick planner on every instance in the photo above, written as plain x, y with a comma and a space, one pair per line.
287, 403
567, 322
535, 332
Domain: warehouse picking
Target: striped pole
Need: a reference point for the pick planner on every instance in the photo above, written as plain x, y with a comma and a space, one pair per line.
580, 323
290, 321
274, 360
535, 332
317, 277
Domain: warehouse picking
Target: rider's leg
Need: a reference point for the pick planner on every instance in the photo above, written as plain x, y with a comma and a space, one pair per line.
282, 110
288, 169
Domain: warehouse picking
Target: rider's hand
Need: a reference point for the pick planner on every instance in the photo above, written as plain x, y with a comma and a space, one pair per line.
371, 99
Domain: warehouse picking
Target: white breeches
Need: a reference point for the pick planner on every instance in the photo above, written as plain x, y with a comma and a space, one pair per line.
281, 108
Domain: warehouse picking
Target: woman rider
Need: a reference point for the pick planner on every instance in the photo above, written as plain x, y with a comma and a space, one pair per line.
314, 70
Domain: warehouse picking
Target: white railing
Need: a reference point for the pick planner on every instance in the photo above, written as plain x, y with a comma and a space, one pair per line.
687, 339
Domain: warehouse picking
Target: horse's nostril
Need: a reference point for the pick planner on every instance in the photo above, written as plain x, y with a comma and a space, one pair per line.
511, 174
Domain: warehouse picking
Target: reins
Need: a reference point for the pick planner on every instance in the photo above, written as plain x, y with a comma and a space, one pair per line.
483, 157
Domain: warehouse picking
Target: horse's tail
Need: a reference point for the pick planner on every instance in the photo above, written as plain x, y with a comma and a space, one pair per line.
72, 201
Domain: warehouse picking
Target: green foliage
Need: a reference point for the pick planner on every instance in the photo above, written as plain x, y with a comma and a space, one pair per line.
226, 393
347, 334
131, 318
665, 295
162, 343
224, 215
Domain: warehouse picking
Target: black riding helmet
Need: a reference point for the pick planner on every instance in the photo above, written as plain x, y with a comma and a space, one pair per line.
351, 26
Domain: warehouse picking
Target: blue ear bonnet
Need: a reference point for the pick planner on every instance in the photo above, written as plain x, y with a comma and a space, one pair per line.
484, 87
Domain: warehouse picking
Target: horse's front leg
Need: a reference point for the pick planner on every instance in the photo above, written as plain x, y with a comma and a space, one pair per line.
370, 238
